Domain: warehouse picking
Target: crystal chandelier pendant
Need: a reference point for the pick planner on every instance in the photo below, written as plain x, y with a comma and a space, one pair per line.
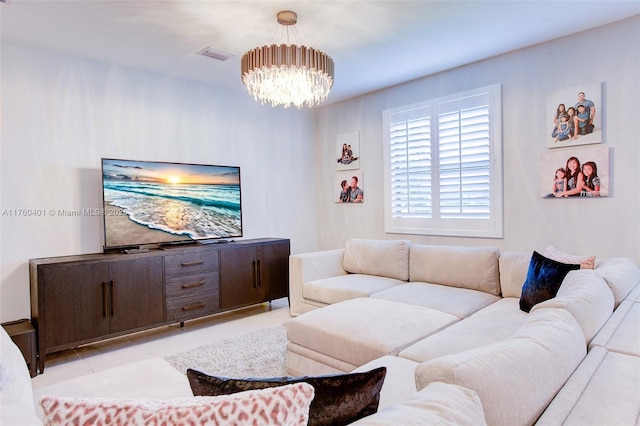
287, 74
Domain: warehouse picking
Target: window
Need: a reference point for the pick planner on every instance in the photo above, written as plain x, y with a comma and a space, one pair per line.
443, 166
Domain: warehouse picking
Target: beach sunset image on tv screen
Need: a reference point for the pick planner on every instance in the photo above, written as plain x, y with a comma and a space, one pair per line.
155, 202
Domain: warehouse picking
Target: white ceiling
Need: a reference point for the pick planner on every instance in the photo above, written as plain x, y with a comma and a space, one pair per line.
374, 43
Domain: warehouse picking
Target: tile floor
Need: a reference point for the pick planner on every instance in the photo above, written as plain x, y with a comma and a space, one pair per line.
65, 365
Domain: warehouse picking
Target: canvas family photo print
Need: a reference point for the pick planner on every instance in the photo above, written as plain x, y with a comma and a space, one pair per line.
574, 116
581, 171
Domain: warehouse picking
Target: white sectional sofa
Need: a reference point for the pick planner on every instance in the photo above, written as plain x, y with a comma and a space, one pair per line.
460, 351
156, 380
452, 315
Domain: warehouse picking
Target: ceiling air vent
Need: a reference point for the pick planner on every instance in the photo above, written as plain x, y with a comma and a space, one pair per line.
215, 54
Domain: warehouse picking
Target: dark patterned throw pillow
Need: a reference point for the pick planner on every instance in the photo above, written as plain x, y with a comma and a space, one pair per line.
339, 399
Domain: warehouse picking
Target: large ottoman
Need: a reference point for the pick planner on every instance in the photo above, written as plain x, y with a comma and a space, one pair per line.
346, 335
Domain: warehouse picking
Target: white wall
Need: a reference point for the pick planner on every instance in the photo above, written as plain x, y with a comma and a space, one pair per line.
61, 115
604, 227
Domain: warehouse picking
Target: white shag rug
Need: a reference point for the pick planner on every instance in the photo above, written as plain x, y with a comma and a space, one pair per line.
258, 354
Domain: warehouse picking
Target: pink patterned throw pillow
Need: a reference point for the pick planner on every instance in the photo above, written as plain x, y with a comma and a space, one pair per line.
283, 405
585, 262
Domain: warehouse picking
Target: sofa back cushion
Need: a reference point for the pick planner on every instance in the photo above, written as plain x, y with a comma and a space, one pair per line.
475, 268
384, 258
621, 275
515, 378
513, 272
587, 297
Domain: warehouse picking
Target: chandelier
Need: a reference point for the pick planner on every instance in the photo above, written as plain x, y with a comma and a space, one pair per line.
287, 74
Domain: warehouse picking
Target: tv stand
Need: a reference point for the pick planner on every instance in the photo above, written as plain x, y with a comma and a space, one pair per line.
76, 300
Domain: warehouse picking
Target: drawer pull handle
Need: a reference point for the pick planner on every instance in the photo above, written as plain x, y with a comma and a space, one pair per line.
196, 263
112, 284
194, 306
105, 303
192, 285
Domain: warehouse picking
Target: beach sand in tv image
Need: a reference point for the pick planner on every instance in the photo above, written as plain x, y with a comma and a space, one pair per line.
153, 202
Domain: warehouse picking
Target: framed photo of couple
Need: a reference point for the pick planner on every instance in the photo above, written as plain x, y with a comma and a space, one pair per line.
349, 187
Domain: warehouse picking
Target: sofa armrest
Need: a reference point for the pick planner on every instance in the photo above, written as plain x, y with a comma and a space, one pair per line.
437, 404
307, 267
16, 395
544, 351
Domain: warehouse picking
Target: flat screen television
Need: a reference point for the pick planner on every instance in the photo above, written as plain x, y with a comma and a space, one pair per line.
154, 203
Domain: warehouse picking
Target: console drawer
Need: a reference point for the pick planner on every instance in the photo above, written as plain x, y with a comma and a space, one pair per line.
184, 308
190, 263
191, 285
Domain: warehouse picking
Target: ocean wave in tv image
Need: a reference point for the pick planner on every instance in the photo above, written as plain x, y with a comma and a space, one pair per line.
197, 210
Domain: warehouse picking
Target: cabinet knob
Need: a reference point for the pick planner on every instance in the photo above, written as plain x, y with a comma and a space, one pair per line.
187, 264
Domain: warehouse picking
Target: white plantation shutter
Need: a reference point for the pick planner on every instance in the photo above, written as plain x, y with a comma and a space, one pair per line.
443, 173
410, 158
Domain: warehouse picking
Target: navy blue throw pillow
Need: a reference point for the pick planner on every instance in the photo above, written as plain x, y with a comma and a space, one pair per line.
543, 280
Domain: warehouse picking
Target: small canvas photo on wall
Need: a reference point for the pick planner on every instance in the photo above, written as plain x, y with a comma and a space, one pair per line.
349, 187
581, 171
348, 151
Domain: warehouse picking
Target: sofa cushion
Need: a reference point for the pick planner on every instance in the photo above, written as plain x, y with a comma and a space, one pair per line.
489, 325
621, 275
586, 296
475, 268
384, 258
513, 271
345, 287
544, 278
359, 330
399, 383
602, 391
515, 378
152, 378
437, 404
284, 405
460, 302
585, 262
620, 333
339, 398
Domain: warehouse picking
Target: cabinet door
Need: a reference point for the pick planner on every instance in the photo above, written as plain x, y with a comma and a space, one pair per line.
136, 293
274, 269
239, 283
75, 303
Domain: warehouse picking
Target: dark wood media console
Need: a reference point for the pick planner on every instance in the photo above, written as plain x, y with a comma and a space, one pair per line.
77, 300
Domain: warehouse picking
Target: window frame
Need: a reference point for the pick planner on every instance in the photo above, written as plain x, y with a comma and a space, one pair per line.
492, 227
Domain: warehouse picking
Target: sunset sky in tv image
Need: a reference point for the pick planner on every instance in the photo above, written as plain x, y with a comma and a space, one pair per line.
172, 173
